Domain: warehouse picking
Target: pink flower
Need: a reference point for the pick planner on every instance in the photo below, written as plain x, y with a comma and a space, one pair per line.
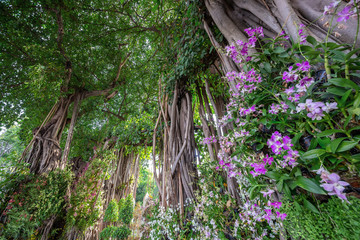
281, 215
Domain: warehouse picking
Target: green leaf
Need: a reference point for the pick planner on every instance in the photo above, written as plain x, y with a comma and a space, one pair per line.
336, 91
287, 190
349, 55
343, 82
279, 50
323, 142
267, 67
345, 97
292, 184
315, 153
335, 144
310, 206
357, 101
311, 40
309, 185
346, 145
279, 185
356, 157
355, 111
252, 192
313, 143
328, 132
347, 120
273, 175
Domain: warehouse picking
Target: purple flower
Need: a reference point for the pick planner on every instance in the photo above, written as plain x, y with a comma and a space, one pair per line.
302, 36
345, 14
276, 147
267, 194
274, 108
268, 160
290, 76
276, 204
287, 143
289, 91
329, 106
281, 215
294, 98
304, 66
334, 186
259, 168
304, 84
315, 110
330, 8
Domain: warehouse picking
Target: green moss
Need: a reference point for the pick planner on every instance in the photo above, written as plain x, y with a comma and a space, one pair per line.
337, 220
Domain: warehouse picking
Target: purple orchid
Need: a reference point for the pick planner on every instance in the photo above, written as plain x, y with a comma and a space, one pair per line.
329, 106
276, 204
331, 7
267, 194
282, 216
345, 14
334, 186
304, 66
268, 160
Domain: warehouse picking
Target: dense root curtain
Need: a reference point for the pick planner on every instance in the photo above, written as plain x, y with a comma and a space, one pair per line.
177, 180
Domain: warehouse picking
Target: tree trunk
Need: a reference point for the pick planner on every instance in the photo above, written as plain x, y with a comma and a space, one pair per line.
45, 154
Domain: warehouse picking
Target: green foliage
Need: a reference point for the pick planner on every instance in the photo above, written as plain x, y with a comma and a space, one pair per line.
112, 212
29, 200
126, 210
335, 220
146, 184
121, 232
107, 232
10, 145
118, 212
113, 232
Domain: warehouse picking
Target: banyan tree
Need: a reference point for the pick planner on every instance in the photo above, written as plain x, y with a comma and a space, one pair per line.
94, 84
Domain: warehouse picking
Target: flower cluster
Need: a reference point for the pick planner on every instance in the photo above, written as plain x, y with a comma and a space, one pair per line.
276, 108
259, 168
240, 51
332, 183
247, 111
209, 140
347, 12
302, 36
316, 109
282, 145
246, 81
293, 75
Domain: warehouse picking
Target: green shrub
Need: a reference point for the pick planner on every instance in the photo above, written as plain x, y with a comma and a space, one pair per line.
112, 212
126, 210
121, 232
114, 232
107, 232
